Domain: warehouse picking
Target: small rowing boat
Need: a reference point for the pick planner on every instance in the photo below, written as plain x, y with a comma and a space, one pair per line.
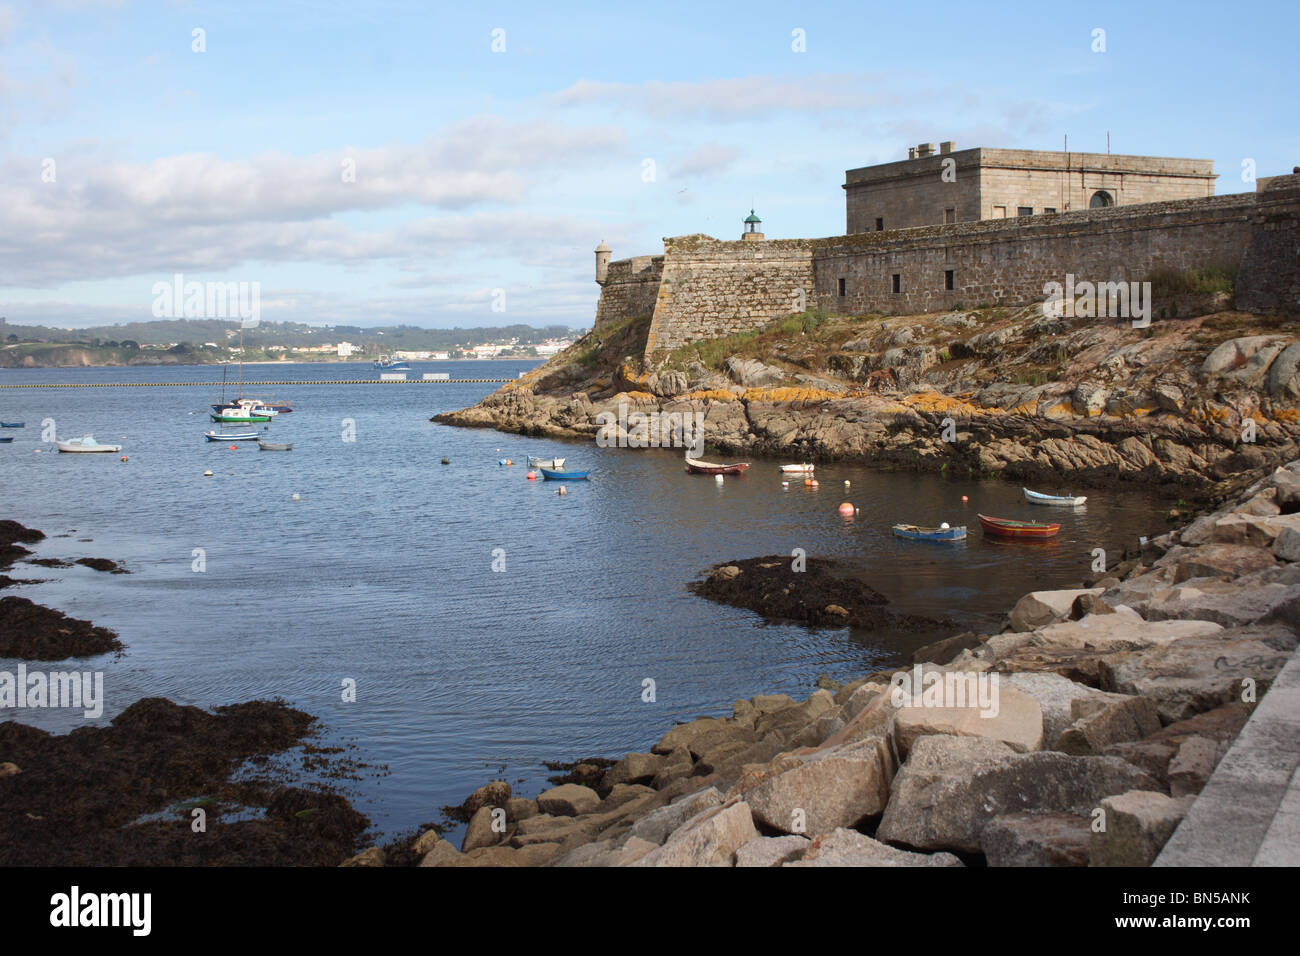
5, 440
1006, 528
805, 469
552, 475
1065, 501
697, 467
84, 445
230, 436
274, 446
943, 533
13, 424
535, 462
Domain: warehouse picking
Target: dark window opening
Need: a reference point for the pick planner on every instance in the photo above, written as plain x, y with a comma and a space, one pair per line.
1100, 200
1049, 210
948, 280
1024, 210
898, 282
880, 224
949, 215
842, 287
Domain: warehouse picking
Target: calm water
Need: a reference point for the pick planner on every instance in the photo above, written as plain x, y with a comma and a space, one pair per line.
382, 570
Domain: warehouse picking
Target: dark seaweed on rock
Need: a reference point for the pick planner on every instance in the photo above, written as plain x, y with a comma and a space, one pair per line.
75, 796
31, 632
826, 593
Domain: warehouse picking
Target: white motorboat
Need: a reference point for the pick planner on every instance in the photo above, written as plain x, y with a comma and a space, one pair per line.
86, 444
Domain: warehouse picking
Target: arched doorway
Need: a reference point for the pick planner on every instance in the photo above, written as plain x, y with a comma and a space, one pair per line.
1100, 200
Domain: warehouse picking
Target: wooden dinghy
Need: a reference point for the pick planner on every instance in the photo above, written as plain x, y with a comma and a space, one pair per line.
1007, 528
697, 467
1063, 501
912, 533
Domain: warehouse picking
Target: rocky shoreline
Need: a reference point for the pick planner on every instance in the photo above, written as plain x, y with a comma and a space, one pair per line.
1109, 703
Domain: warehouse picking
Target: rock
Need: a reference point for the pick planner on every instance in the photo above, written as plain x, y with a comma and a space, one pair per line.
538, 854
771, 703
1169, 398
371, 856
658, 824
1010, 717
850, 848
1254, 530
677, 765
684, 734
568, 800
951, 787
726, 573
1123, 630
1263, 504
708, 839
1037, 839
607, 853
1234, 354
1138, 824
1194, 674
825, 790
1287, 545
1155, 754
1040, 608
1054, 694
752, 373
942, 652
425, 842
836, 610
442, 854
634, 768
771, 851
520, 808
1283, 380
744, 713
1130, 718
790, 720
1089, 399
9, 769
1215, 560
1190, 769
494, 794
1229, 604
624, 793
480, 833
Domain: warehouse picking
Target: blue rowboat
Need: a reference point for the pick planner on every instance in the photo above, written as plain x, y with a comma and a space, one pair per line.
231, 436
6, 439
912, 533
13, 424
550, 475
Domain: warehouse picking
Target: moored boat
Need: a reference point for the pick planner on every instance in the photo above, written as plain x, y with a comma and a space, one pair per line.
6, 439
549, 474
1065, 501
13, 424
388, 364
804, 469
941, 533
274, 446
697, 467
84, 445
535, 462
1007, 528
230, 436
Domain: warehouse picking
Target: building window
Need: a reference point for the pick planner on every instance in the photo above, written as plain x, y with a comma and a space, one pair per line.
999, 212
948, 280
1101, 199
842, 288
898, 283
1024, 210
880, 224
949, 215
1048, 210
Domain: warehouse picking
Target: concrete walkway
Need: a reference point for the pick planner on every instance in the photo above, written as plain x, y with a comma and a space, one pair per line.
1249, 812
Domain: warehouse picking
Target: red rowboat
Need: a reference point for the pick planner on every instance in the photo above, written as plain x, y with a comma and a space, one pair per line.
696, 467
1006, 528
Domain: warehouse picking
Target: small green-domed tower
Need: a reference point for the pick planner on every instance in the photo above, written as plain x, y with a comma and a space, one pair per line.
752, 222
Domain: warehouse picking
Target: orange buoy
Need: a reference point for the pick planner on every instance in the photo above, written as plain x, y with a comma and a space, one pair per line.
532, 476
964, 498
813, 483
234, 447
847, 510
124, 457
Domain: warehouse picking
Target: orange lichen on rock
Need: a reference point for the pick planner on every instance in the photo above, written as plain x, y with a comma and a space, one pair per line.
788, 394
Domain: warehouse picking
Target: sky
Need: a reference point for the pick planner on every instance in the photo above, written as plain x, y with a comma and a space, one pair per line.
442, 165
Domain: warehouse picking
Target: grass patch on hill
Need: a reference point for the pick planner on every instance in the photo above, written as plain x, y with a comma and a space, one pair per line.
1170, 282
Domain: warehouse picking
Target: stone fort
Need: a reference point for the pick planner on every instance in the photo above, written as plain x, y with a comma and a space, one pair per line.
954, 229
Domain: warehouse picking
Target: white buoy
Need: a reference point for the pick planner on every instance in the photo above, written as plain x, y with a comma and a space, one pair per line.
208, 473
847, 483
718, 479
944, 526
296, 496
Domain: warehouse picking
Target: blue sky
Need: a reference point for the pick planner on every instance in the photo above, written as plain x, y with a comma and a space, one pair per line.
478, 170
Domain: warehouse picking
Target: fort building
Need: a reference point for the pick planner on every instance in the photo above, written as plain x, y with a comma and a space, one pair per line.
952, 185
1122, 219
